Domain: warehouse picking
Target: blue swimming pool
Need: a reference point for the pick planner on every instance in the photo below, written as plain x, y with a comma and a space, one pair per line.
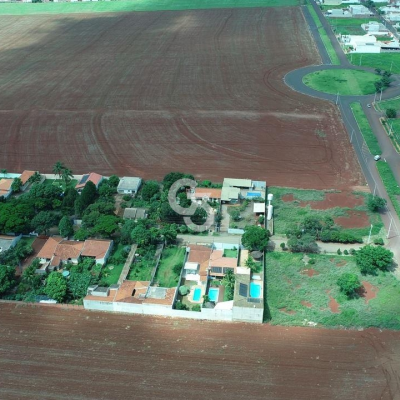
213, 294
255, 290
253, 194
197, 294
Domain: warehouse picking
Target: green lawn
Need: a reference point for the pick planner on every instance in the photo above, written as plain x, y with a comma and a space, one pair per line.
287, 213
138, 5
393, 103
112, 271
384, 61
230, 253
287, 288
365, 128
349, 26
142, 267
342, 81
324, 37
170, 257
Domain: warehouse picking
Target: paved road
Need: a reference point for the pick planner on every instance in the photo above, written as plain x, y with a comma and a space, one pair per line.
294, 79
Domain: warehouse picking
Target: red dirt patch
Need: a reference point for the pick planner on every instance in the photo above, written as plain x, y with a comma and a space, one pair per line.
370, 291
174, 91
355, 219
306, 303
333, 305
284, 310
341, 263
37, 245
343, 199
310, 272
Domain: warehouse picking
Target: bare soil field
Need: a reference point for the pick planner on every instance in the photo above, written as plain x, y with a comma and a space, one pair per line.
53, 353
334, 199
354, 219
151, 92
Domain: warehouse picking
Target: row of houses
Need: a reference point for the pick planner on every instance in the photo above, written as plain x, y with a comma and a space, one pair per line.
352, 11
203, 268
6, 183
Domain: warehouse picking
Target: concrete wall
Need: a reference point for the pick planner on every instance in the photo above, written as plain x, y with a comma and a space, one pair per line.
150, 309
247, 314
236, 231
226, 246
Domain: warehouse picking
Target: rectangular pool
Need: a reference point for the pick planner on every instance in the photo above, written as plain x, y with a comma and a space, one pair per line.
253, 194
213, 294
255, 290
197, 294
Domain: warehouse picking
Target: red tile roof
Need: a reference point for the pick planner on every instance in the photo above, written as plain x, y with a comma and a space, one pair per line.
93, 177
95, 248
210, 193
26, 175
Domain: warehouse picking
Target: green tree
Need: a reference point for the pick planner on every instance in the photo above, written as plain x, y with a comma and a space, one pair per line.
391, 113
31, 278
106, 190
255, 238
43, 221
4, 172
183, 290
15, 216
305, 243
35, 178
66, 176
370, 259
141, 235
56, 287
378, 71
106, 225
69, 198
113, 181
58, 168
169, 233
378, 86
229, 282
16, 185
234, 212
7, 278
66, 227
172, 177
375, 203
253, 265
149, 190
349, 283
89, 194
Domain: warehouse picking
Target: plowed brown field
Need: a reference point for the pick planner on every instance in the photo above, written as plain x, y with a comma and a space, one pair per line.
51, 353
147, 93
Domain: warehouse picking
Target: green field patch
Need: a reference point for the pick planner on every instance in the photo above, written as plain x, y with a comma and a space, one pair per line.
112, 270
324, 36
349, 26
343, 81
392, 103
142, 266
293, 295
138, 5
384, 61
167, 273
290, 207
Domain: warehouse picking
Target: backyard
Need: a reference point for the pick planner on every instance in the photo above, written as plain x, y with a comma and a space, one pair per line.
111, 272
241, 215
170, 266
298, 291
142, 266
347, 209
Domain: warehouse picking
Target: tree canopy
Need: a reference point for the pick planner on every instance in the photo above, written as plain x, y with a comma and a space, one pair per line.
56, 287
7, 278
370, 259
66, 227
255, 238
349, 283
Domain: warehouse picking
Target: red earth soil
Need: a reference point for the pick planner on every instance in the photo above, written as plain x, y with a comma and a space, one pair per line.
340, 199
355, 219
340, 263
369, 291
37, 245
306, 303
53, 353
333, 305
147, 93
284, 310
310, 272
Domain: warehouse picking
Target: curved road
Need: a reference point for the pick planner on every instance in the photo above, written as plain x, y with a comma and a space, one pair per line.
294, 79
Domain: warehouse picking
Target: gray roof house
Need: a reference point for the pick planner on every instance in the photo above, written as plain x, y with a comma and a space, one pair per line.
129, 185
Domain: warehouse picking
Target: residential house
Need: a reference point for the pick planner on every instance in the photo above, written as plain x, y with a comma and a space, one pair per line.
25, 178
360, 10
129, 185
206, 194
92, 177
8, 242
58, 251
332, 2
233, 190
196, 266
220, 265
374, 27
135, 213
5, 187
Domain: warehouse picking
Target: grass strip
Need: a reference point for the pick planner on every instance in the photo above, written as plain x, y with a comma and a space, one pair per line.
384, 169
365, 129
324, 36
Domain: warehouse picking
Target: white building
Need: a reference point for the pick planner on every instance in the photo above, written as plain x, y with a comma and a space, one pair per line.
358, 10
375, 28
129, 185
362, 44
